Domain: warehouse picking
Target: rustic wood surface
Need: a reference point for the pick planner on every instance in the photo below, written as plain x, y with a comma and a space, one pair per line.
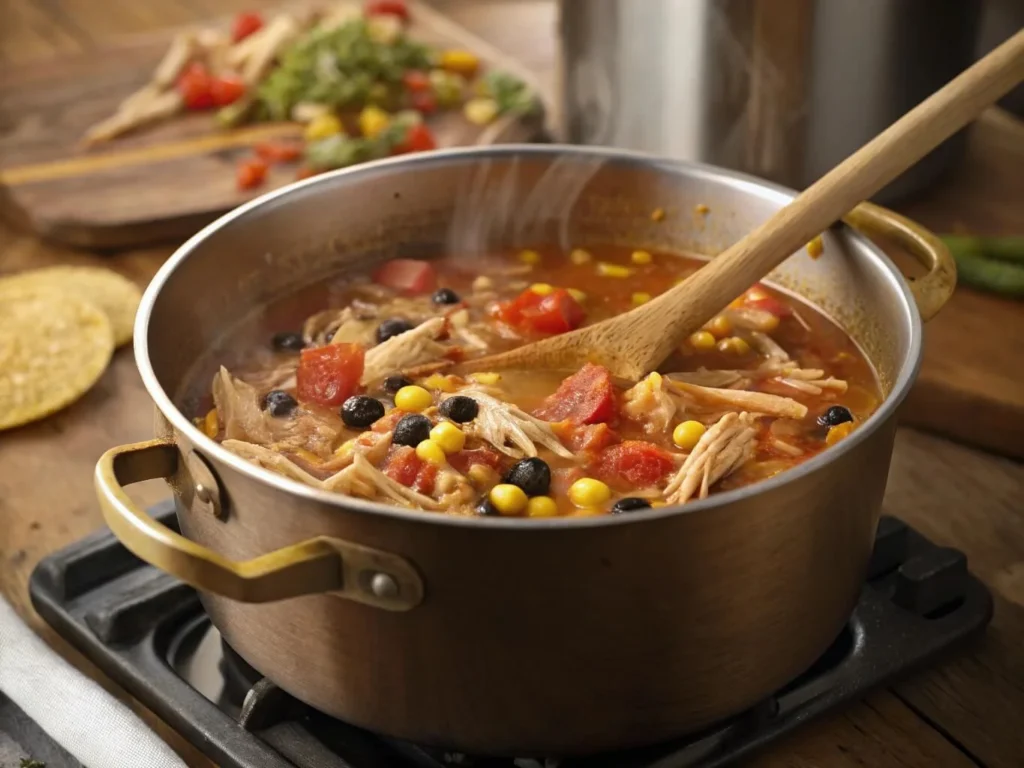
166, 180
963, 712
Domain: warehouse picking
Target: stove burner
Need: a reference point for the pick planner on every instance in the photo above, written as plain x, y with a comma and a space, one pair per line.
149, 632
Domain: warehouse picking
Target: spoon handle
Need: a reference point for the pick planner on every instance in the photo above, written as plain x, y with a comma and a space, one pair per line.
686, 307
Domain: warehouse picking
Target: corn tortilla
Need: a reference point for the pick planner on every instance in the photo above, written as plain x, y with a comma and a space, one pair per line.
117, 296
53, 348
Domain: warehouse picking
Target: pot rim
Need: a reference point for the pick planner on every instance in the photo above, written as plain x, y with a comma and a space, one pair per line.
742, 181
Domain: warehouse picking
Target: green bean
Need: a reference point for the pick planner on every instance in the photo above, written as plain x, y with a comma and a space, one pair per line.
978, 267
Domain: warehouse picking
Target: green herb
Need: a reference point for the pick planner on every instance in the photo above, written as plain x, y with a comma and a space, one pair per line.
341, 67
342, 151
510, 93
27, 762
993, 264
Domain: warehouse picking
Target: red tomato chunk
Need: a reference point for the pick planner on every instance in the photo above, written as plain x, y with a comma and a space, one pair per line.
387, 7
592, 437
555, 312
251, 173
634, 463
403, 466
245, 24
407, 276
464, 459
586, 397
418, 138
329, 375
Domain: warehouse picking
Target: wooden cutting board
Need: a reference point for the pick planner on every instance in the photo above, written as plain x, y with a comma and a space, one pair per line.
167, 180
971, 385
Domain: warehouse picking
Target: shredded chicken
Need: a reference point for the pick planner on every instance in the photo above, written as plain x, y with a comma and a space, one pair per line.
751, 319
404, 351
650, 403
723, 449
510, 429
783, 447
767, 347
758, 402
362, 479
272, 460
238, 409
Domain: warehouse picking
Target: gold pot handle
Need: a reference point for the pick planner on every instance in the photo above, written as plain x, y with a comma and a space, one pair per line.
322, 564
933, 290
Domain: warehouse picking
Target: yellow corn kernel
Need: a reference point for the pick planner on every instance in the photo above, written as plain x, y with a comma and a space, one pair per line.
657, 504
542, 289
211, 426
816, 247
658, 214
480, 111
588, 512
719, 325
307, 456
529, 257
701, 209
323, 126
577, 294
641, 297
655, 379
687, 434
604, 269
487, 379
541, 506
508, 499
413, 399
439, 382
372, 121
460, 61
345, 448
482, 476
430, 451
579, 256
838, 432
588, 492
448, 436
641, 257
734, 345
702, 341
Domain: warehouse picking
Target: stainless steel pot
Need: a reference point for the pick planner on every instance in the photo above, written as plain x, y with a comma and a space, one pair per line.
783, 89
507, 636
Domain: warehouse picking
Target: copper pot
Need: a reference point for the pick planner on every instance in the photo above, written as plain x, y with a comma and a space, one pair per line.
504, 636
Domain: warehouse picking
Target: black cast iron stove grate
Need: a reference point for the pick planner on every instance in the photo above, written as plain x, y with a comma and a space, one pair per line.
148, 631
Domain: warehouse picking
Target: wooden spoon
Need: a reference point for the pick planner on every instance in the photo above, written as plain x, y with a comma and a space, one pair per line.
635, 343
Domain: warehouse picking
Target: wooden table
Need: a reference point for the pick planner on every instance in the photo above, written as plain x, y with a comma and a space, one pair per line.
967, 711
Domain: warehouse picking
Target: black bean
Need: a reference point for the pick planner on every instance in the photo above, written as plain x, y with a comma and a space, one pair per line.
395, 382
279, 403
361, 411
533, 475
459, 408
445, 296
485, 507
392, 327
288, 341
629, 504
834, 416
412, 429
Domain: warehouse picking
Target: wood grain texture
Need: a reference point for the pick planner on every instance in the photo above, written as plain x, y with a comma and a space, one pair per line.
166, 180
974, 696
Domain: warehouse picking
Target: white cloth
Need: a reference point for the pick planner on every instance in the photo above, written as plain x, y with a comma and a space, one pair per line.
75, 711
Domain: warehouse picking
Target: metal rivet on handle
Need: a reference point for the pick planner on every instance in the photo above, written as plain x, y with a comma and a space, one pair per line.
384, 586
206, 494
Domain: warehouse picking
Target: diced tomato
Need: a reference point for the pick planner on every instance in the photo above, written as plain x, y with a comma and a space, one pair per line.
634, 463
589, 437
278, 151
424, 102
455, 354
194, 85
329, 375
555, 312
466, 458
408, 276
305, 172
417, 139
251, 173
416, 81
225, 90
383, 7
586, 397
403, 466
245, 24
387, 423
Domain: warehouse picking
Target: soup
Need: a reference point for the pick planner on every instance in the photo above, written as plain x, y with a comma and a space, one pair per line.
343, 387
